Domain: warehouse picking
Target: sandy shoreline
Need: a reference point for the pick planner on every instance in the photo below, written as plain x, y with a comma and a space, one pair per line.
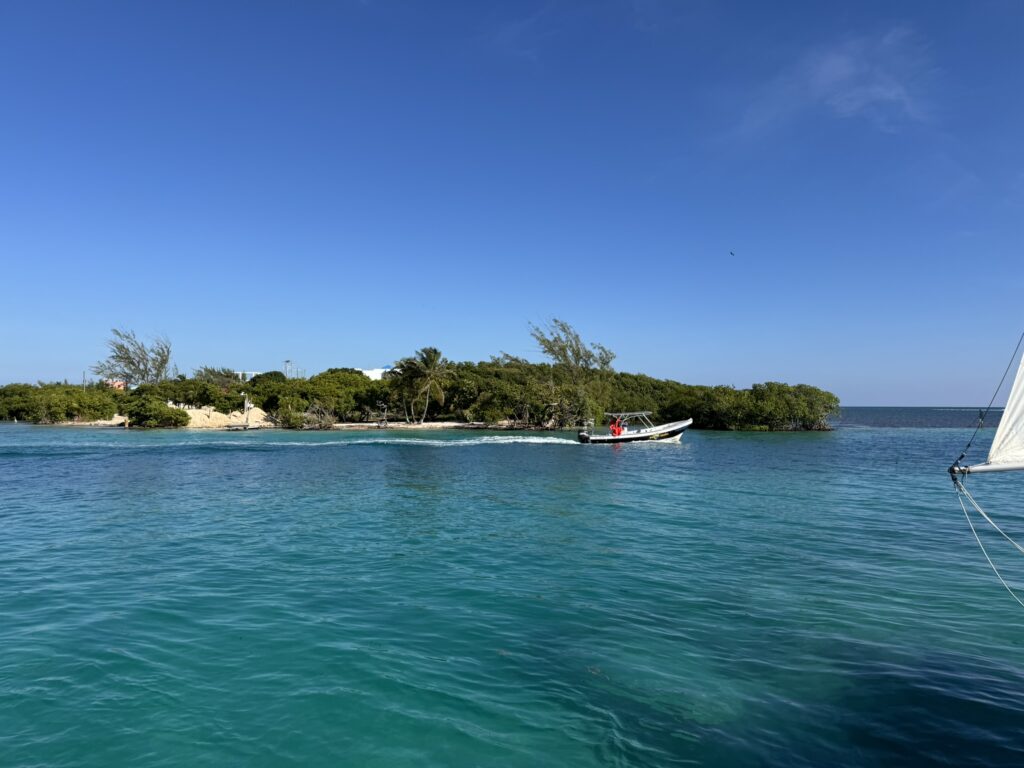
208, 419
364, 425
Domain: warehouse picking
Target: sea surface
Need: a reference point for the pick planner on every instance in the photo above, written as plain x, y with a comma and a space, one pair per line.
170, 598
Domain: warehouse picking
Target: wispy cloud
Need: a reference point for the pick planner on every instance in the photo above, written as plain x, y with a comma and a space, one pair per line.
522, 37
881, 78
654, 15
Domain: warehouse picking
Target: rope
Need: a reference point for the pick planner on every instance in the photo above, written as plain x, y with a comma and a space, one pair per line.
990, 520
984, 415
961, 493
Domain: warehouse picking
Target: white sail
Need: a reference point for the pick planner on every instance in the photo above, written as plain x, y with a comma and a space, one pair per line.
1005, 455
1008, 444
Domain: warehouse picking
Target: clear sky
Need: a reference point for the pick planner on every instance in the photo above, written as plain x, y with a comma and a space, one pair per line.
820, 192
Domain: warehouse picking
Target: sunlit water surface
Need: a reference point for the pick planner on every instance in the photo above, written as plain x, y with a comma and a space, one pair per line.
457, 599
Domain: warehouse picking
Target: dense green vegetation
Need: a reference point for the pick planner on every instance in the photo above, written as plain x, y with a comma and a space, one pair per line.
578, 384
55, 403
508, 391
150, 411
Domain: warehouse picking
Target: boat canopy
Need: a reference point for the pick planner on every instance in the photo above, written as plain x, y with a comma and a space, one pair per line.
627, 416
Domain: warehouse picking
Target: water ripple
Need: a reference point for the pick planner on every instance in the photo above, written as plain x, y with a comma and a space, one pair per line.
733, 600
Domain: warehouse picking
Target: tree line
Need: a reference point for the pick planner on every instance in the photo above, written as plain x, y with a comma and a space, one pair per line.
575, 385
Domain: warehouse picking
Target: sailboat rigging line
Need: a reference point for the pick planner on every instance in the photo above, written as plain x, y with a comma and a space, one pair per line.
995, 394
961, 492
989, 520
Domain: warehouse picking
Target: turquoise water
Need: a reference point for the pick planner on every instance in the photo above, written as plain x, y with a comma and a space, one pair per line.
458, 599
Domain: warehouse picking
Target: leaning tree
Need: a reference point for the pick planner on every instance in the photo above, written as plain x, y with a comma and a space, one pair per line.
586, 367
133, 361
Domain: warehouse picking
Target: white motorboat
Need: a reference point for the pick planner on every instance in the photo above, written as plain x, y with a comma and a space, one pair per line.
635, 427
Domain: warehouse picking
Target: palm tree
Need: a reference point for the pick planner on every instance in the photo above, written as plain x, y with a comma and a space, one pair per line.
430, 371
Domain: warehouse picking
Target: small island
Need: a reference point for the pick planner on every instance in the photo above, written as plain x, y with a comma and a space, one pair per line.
139, 387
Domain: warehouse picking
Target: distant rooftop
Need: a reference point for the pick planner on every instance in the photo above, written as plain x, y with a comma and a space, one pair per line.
375, 374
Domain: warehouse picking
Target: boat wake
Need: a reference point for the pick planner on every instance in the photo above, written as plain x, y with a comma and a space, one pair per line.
426, 442
211, 443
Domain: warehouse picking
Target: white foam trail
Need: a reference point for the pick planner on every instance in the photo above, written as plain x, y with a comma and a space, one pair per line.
430, 443
208, 443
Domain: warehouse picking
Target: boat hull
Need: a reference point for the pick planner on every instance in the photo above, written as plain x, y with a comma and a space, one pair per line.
665, 433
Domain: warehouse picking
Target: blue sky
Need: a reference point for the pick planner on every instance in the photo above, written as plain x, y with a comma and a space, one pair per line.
721, 192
